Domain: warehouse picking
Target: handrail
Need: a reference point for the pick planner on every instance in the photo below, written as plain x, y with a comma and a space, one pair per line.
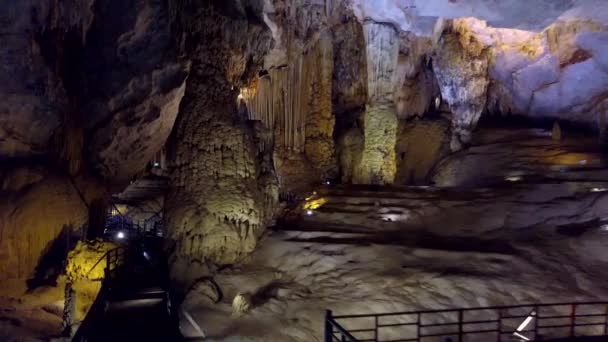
330, 324
104, 256
503, 307
96, 310
461, 327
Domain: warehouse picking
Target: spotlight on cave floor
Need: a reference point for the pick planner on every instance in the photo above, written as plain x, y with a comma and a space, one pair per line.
513, 178
599, 189
120, 235
309, 212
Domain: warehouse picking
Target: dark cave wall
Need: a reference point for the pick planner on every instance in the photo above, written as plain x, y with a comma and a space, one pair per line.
90, 92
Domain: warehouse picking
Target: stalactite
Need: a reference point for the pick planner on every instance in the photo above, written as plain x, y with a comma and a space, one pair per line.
280, 101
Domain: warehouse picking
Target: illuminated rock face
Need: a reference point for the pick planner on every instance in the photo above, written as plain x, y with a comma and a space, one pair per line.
558, 73
222, 187
462, 75
36, 208
378, 164
87, 260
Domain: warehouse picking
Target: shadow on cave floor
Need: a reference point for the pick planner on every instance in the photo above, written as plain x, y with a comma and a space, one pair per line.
409, 239
53, 259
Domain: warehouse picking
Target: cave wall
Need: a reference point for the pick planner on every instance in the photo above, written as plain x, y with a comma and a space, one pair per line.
90, 90
39, 213
339, 89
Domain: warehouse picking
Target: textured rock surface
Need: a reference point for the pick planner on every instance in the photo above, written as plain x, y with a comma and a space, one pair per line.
89, 90
36, 208
378, 162
131, 108
75, 64
462, 74
319, 147
87, 260
32, 91
350, 148
550, 77
415, 82
222, 188
350, 65
521, 155
421, 144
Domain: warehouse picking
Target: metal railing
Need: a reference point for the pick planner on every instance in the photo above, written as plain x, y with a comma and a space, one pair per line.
114, 258
535, 322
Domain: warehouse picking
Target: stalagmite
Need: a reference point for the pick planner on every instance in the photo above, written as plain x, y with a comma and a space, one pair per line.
378, 161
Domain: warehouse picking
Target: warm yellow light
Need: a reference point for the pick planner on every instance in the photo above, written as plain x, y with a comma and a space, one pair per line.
314, 204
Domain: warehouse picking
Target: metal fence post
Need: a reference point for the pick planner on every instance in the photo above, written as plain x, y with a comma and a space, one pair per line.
460, 330
376, 328
572, 320
418, 321
328, 327
536, 318
499, 326
606, 321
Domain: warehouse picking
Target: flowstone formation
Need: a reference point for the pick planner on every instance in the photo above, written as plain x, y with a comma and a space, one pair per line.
222, 185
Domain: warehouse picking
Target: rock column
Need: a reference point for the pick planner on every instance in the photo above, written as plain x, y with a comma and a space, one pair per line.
378, 161
222, 188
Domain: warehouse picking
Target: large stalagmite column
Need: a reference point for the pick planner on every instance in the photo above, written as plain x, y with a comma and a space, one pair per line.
222, 189
378, 161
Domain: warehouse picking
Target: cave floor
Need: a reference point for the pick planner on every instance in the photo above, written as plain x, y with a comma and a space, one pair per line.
385, 249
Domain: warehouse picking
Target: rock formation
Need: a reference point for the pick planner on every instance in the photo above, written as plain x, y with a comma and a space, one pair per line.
462, 74
378, 163
259, 98
88, 98
222, 185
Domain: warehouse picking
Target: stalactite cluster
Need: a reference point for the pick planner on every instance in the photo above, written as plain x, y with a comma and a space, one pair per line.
295, 102
279, 101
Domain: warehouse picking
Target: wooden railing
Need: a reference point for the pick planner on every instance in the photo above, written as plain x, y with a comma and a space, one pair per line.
535, 322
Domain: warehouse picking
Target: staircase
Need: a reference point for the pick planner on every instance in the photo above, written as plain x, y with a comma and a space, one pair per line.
134, 302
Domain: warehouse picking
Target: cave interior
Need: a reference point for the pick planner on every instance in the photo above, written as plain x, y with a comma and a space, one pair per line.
236, 168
